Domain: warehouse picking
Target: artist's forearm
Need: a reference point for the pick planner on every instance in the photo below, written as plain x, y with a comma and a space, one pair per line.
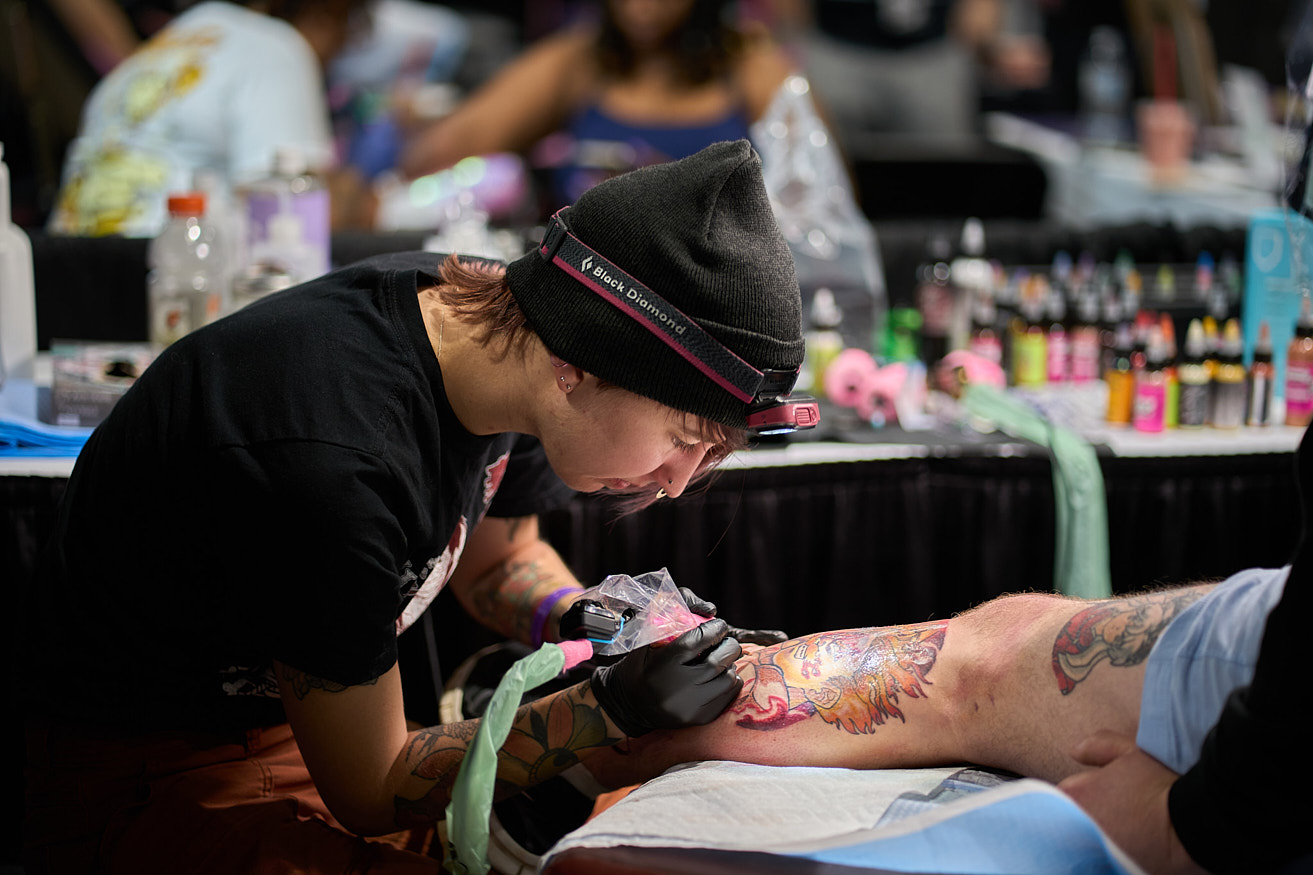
505, 597
547, 737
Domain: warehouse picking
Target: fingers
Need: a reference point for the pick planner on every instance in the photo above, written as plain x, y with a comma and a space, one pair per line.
1102, 747
723, 656
697, 605
765, 637
696, 641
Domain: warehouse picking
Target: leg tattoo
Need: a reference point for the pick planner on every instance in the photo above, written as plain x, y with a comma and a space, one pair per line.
1122, 631
851, 678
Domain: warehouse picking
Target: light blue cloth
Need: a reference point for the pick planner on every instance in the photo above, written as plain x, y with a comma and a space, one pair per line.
949, 820
23, 435
1205, 654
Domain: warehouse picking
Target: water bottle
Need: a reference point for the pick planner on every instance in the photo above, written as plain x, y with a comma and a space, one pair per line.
186, 283
287, 220
17, 299
1105, 87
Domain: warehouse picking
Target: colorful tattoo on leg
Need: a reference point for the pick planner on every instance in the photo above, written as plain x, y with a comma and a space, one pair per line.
851, 678
1122, 631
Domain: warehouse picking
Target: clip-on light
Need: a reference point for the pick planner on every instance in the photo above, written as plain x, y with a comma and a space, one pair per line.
771, 407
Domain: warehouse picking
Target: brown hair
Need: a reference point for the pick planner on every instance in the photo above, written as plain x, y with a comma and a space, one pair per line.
703, 44
477, 292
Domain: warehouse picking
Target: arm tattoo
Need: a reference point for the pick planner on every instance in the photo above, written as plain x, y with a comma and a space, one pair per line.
507, 595
1122, 631
302, 683
852, 678
545, 739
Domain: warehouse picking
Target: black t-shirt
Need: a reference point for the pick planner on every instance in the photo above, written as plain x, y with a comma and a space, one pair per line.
289, 483
1242, 807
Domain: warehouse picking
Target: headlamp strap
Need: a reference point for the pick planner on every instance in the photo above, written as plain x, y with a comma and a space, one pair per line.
653, 312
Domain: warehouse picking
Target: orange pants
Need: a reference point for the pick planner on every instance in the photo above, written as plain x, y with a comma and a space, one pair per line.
190, 802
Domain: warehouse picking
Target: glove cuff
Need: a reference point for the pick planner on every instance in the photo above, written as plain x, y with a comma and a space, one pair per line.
613, 700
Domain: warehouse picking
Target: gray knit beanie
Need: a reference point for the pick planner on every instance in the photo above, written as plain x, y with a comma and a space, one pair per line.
699, 232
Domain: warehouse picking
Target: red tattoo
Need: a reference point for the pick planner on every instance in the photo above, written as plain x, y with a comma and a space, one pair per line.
1122, 631
851, 678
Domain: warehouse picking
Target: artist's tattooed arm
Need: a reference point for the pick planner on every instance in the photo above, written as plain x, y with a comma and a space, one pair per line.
548, 736
506, 573
1118, 631
376, 775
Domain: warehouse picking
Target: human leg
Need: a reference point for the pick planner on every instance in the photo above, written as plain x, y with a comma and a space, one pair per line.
1014, 684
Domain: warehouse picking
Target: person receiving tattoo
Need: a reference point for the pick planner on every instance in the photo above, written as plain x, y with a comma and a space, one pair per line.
1115, 700
1014, 684
213, 677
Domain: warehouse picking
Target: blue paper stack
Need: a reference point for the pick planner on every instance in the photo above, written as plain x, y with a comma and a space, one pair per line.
24, 435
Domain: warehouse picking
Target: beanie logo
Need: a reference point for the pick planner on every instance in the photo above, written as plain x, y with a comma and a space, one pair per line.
588, 262
661, 316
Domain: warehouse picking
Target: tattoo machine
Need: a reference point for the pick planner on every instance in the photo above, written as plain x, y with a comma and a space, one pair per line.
624, 613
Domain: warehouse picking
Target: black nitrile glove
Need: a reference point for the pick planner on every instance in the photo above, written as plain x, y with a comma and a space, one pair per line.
687, 682
764, 637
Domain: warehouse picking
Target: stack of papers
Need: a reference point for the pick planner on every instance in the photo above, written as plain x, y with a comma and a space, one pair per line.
24, 435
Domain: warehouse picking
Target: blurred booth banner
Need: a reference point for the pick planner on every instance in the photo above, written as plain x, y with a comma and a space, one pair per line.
833, 244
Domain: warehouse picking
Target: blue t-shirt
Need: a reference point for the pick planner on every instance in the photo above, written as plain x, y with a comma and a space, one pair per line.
606, 146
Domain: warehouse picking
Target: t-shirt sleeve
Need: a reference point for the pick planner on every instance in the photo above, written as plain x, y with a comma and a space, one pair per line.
530, 485
311, 524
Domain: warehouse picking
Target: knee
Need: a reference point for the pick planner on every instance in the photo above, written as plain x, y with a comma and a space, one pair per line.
993, 652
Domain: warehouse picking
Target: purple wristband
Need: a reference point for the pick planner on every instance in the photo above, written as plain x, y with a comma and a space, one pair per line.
544, 608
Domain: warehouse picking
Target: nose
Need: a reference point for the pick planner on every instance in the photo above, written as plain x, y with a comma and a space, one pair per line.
678, 471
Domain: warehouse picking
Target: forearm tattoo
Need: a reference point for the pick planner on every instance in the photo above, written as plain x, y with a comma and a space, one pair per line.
545, 739
302, 683
852, 678
506, 596
1122, 631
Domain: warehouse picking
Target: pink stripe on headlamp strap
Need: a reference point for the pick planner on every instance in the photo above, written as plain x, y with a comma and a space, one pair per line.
652, 311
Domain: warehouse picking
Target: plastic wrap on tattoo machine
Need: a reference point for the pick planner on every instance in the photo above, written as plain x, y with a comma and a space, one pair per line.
651, 607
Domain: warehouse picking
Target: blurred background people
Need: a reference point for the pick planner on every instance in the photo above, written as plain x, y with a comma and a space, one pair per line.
647, 81
219, 90
900, 66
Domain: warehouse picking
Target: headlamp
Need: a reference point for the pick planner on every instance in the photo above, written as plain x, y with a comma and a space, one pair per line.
771, 408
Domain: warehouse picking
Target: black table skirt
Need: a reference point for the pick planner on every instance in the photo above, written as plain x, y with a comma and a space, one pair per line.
826, 546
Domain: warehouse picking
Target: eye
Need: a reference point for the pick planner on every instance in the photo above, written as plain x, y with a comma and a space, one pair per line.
683, 446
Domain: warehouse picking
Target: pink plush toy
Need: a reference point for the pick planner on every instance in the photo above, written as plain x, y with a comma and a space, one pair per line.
975, 369
854, 380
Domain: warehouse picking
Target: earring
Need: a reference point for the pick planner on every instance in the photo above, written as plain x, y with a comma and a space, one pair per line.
562, 379
661, 493
568, 387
